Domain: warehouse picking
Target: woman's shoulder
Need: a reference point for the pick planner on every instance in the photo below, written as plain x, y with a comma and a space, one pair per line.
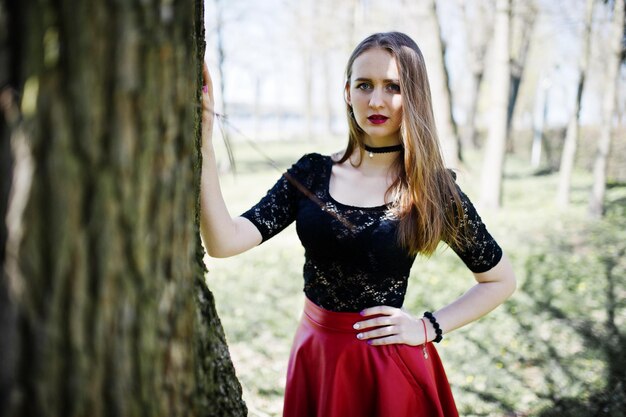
313, 161
313, 157
309, 170
310, 165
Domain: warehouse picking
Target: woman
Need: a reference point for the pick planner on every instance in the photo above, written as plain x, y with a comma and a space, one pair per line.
362, 218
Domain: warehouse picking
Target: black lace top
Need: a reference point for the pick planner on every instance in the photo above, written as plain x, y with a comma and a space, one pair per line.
352, 258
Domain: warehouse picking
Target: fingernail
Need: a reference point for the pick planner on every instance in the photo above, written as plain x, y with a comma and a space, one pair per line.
205, 88
369, 342
362, 313
359, 336
356, 325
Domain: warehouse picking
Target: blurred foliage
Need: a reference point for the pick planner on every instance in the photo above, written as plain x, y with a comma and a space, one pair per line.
557, 347
564, 349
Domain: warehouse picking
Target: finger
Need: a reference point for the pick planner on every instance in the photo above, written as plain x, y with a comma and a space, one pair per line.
207, 93
389, 340
206, 76
378, 321
383, 331
378, 310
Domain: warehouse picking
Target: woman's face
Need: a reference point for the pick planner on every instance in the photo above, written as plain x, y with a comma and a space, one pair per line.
375, 97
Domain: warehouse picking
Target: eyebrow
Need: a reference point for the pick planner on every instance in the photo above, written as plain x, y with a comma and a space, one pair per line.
385, 80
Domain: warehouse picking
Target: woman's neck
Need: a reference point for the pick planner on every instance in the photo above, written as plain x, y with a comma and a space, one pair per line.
374, 164
380, 150
382, 141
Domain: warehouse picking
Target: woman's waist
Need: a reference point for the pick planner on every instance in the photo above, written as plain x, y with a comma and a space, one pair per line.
338, 293
331, 320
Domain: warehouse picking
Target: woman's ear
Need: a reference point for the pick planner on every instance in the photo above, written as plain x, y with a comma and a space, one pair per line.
346, 94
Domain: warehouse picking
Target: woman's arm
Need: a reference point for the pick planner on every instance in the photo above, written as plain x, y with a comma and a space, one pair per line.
223, 235
492, 289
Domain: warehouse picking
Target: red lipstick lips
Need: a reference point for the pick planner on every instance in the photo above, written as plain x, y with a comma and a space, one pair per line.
377, 119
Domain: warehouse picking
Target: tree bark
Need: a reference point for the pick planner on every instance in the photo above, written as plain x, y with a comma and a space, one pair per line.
103, 305
493, 164
618, 24
568, 156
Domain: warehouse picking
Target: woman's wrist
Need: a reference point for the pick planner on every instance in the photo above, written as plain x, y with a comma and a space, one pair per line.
435, 332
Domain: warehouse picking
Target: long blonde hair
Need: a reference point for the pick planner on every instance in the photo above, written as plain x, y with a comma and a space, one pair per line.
425, 197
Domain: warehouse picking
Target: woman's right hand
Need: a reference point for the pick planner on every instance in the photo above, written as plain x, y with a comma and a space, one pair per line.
208, 108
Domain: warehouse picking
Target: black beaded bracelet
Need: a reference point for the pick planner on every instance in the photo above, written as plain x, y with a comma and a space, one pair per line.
438, 330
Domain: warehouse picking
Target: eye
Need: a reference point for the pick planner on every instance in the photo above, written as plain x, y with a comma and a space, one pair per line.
364, 86
393, 88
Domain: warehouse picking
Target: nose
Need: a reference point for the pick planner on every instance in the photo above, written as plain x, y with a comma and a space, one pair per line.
376, 99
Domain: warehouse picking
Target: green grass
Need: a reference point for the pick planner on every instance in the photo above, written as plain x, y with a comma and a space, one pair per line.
489, 364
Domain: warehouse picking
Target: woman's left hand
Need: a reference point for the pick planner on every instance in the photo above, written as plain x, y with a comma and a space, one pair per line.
393, 326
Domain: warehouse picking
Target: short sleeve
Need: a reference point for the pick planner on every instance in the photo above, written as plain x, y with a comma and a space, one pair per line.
278, 209
482, 252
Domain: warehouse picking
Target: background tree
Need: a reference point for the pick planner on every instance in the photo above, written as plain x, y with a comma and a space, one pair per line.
493, 165
221, 62
103, 305
615, 59
539, 119
314, 37
308, 9
478, 27
522, 23
442, 94
568, 156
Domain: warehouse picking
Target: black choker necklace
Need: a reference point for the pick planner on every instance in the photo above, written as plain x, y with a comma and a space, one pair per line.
383, 149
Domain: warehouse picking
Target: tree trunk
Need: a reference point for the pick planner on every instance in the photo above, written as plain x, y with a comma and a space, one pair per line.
307, 16
493, 164
329, 93
596, 200
103, 306
526, 19
221, 62
442, 96
469, 138
539, 119
307, 66
477, 32
568, 156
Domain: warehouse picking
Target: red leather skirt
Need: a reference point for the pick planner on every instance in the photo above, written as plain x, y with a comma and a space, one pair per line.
331, 373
